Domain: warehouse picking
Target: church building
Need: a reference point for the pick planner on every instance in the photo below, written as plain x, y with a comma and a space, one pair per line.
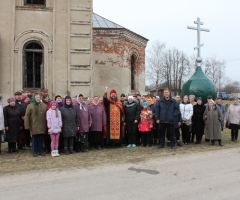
63, 48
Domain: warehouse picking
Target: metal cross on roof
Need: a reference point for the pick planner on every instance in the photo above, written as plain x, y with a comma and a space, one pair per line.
198, 28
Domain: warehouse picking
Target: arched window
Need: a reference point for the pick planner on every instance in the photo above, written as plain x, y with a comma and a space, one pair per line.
33, 66
35, 2
133, 63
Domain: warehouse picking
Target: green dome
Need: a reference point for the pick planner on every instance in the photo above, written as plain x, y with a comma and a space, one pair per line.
200, 85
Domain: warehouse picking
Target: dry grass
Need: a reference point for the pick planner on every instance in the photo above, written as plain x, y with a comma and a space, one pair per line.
24, 161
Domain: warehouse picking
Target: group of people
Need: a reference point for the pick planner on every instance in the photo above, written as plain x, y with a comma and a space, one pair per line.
71, 124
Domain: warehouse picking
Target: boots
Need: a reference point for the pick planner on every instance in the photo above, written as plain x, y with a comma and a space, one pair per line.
53, 153
71, 150
236, 136
212, 143
9, 150
66, 151
82, 147
220, 143
232, 135
56, 153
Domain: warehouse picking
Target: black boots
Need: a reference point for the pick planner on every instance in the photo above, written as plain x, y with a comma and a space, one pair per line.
220, 143
82, 147
212, 142
234, 135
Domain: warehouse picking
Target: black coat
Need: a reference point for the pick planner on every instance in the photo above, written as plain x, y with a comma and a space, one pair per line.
177, 119
12, 120
70, 120
132, 112
197, 119
22, 106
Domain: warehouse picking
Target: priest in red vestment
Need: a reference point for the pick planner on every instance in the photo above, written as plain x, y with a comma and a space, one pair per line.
115, 119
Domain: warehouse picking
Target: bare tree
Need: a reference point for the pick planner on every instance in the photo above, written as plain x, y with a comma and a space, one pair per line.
215, 69
155, 63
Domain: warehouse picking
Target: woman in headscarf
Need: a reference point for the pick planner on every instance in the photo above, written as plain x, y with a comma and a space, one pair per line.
233, 118
47, 139
86, 121
35, 121
71, 124
98, 116
13, 124
213, 118
197, 119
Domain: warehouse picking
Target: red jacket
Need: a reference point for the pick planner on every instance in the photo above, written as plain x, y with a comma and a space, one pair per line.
146, 121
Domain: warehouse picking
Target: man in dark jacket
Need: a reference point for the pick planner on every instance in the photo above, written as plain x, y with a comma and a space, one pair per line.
167, 110
22, 106
132, 116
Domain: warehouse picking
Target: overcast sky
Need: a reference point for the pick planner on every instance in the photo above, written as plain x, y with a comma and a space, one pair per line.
167, 21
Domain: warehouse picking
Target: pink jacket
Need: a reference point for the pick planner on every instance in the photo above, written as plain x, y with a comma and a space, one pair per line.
54, 123
146, 121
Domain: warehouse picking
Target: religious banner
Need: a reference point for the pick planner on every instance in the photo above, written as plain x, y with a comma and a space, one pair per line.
115, 122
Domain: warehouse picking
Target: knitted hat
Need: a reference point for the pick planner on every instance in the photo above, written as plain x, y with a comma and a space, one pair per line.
199, 98
113, 91
130, 97
145, 104
11, 99
54, 103
24, 97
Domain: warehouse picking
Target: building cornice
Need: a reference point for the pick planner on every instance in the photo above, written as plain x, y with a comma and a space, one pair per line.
121, 33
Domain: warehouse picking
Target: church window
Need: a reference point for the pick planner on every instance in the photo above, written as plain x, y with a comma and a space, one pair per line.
33, 70
35, 2
133, 63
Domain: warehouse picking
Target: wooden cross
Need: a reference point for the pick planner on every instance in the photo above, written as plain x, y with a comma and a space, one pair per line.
199, 29
106, 88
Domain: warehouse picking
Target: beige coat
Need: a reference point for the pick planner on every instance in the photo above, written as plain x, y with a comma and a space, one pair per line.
36, 122
213, 130
233, 114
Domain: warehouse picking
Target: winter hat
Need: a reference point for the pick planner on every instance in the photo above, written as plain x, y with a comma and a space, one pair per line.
113, 91
57, 96
211, 101
17, 93
199, 98
54, 103
11, 99
24, 97
145, 104
130, 97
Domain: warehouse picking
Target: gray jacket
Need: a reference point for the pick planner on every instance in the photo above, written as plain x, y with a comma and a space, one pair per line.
1, 118
233, 114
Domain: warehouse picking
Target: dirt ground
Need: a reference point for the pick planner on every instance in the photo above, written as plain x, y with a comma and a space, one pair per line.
24, 161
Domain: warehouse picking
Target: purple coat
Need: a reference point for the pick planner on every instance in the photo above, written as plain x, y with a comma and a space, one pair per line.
85, 117
54, 123
98, 116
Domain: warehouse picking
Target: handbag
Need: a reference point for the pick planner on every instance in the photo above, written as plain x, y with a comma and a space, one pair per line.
3, 138
188, 122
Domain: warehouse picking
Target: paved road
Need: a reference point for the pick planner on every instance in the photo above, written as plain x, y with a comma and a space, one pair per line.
209, 175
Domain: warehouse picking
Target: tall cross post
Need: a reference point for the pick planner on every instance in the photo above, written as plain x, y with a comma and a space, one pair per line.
199, 29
